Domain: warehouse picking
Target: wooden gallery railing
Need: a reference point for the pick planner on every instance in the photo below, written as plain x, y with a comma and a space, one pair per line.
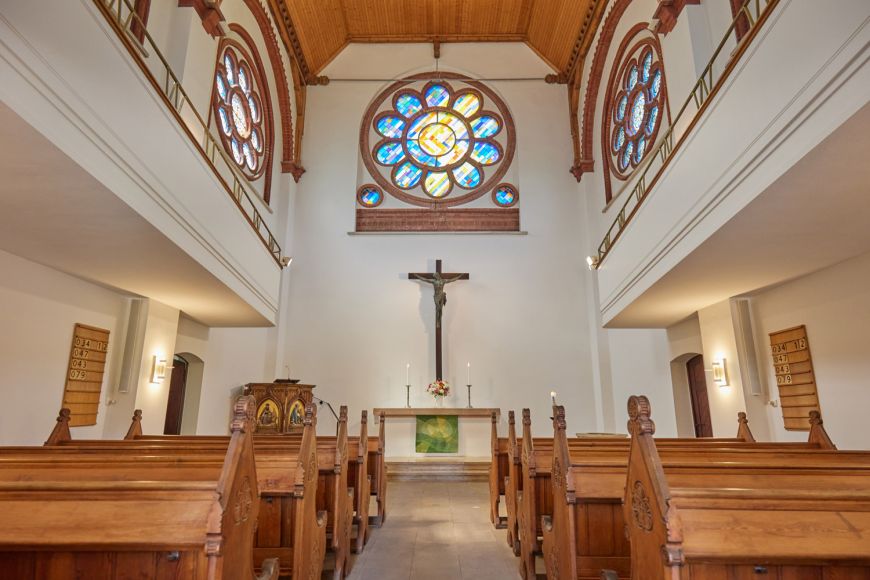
745, 25
144, 51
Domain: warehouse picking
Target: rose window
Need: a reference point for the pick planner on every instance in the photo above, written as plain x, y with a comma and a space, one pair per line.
239, 113
637, 109
435, 141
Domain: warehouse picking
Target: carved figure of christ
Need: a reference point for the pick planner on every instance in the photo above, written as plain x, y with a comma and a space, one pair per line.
438, 279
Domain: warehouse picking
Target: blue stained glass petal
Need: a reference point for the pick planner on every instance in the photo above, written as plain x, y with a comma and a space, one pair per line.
485, 153
467, 176
243, 79
228, 67
391, 127
485, 126
656, 84
651, 123
619, 141
390, 153
225, 121
638, 108
437, 96
407, 175
370, 197
647, 64
620, 109
221, 87
505, 196
417, 153
632, 78
408, 105
641, 149
255, 111
625, 160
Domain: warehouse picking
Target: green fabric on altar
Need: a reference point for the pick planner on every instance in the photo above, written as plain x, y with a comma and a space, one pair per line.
437, 434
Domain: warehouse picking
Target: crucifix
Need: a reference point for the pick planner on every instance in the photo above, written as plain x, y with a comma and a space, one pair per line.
438, 280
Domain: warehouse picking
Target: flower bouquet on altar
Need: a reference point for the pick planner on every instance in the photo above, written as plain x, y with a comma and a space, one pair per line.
438, 389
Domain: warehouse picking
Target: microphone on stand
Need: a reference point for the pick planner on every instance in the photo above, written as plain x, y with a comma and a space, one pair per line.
321, 403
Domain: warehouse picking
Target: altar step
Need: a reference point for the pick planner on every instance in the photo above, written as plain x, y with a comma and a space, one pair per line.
438, 469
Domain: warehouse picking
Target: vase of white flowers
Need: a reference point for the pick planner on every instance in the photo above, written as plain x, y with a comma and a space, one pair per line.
439, 389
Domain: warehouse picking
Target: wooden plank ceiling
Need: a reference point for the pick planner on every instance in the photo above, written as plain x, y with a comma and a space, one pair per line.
558, 30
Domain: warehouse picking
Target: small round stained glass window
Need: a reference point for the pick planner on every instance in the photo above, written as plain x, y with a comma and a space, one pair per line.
635, 114
505, 195
369, 196
238, 111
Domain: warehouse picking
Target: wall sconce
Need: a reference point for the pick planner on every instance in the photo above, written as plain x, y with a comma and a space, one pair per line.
592, 262
720, 374
158, 369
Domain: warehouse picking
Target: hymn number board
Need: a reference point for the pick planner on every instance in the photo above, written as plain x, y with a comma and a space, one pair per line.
793, 367
84, 377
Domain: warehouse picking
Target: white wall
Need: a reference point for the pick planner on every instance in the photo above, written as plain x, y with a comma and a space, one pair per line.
832, 304
684, 342
38, 309
354, 318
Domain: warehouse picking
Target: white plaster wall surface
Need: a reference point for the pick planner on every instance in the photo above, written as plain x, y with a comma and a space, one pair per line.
770, 115
355, 320
160, 334
832, 303
39, 307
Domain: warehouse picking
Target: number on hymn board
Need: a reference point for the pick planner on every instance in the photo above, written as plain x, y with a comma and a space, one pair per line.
81, 353
783, 380
780, 359
91, 344
781, 369
79, 364
77, 375
777, 348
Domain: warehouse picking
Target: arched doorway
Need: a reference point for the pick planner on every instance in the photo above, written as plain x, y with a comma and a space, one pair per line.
175, 404
698, 395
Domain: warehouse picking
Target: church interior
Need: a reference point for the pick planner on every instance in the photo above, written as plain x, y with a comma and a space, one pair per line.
434, 289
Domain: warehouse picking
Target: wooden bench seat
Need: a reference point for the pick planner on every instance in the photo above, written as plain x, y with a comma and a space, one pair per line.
80, 523
378, 473
535, 474
586, 531
290, 525
697, 524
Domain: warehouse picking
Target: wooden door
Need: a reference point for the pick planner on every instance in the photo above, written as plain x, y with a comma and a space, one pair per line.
175, 406
698, 393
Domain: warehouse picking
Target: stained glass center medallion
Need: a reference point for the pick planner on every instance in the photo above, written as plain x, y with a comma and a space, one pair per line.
437, 139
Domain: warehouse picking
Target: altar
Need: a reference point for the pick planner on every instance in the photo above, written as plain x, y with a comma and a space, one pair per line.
402, 438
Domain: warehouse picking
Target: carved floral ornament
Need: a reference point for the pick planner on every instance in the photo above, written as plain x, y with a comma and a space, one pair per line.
438, 140
244, 501
640, 508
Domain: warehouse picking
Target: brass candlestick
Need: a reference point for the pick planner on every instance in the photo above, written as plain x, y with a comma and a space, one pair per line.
469, 397
408, 396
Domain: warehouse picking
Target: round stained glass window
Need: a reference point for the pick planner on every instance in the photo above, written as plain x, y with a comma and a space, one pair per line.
238, 111
437, 141
506, 195
369, 196
636, 109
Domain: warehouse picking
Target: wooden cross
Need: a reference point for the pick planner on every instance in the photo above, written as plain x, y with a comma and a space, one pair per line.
438, 280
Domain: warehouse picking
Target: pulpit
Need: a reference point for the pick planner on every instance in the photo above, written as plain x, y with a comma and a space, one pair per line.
280, 405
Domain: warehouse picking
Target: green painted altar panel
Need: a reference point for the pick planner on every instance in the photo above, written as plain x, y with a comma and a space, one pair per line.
437, 434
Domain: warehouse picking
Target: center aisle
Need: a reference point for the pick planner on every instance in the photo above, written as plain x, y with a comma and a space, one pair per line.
437, 531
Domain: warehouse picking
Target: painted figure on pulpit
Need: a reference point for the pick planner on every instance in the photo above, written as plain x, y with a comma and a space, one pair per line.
267, 416
297, 413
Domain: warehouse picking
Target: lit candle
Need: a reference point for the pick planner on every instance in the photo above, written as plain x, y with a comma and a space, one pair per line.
408, 374
553, 397
468, 378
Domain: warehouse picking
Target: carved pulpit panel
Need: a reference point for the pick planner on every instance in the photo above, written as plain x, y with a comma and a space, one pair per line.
280, 405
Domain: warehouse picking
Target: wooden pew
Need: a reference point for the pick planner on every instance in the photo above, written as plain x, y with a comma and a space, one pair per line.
498, 473
513, 485
290, 525
333, 495
715, 516
601, 509
585, 534
378, 473
65, 517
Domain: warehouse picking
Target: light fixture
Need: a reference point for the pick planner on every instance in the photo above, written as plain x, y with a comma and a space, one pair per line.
720, 374
286, 261
592, 263
158, 369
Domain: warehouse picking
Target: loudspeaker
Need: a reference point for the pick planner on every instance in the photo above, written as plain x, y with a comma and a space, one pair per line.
744, 334
131, 361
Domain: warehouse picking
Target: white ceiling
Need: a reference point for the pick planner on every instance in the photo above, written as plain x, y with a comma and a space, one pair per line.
55, 213
814, 216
